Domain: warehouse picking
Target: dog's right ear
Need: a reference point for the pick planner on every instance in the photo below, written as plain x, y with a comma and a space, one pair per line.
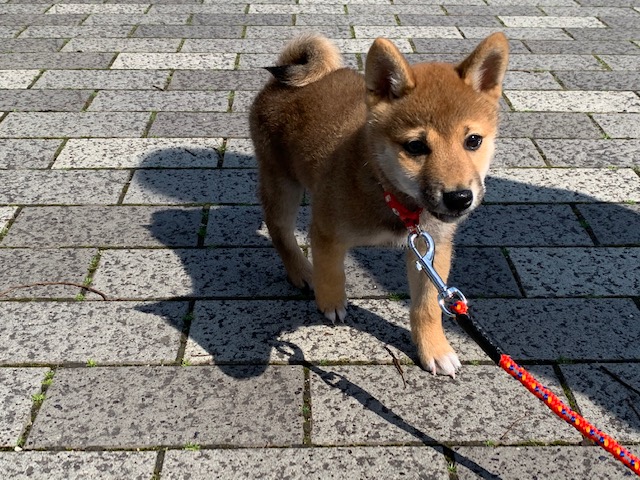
387, 73
484, 69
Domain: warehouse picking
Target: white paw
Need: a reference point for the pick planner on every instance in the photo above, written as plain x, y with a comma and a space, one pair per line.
339, 313
448, 364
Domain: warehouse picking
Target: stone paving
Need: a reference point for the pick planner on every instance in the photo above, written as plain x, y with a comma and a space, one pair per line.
146, 327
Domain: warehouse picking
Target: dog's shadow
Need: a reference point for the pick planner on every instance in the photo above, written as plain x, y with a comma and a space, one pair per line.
244, 311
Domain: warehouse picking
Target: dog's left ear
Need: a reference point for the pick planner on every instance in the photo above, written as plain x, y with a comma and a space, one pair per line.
387, 73
484, 69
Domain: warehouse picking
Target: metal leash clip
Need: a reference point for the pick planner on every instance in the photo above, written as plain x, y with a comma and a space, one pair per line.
446, 295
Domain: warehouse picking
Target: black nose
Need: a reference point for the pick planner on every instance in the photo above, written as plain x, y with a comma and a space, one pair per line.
458, 201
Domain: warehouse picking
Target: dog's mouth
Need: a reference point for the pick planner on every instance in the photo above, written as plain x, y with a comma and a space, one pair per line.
448, 217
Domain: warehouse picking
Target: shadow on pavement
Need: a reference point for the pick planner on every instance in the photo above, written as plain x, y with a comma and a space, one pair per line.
231, 330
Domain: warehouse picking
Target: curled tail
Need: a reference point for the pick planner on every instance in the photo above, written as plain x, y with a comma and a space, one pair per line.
306, 59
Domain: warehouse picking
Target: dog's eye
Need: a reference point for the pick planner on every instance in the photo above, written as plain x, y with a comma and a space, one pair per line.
416, 148
473, 142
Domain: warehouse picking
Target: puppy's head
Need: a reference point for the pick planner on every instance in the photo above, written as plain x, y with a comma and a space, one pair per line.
432, 126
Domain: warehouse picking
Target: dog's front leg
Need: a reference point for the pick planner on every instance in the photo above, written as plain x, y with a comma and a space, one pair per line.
328, 275
436, 355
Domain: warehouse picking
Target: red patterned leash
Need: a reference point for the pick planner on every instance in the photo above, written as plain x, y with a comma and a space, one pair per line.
454, 304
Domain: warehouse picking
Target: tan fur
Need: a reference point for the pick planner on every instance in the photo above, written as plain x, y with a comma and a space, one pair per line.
345, 138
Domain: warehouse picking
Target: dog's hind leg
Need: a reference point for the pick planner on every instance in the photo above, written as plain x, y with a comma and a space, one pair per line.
281, 197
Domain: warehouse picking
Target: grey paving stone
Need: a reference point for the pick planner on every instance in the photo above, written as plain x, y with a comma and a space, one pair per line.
522, 225
604, 394
44, 265
622, 62
96, 8
78, 465
456, 20
43, 100
591, 153
455, 45
368, 405
574, 47
85, 124
179, 61
27, 153
189, 31
361, 19
561, 185
561, 272
528, 2
136, 19
220, 80
42, 20
549, 21
374, 272
271, 45
554, 62
22, 9
482, 272
621, 21
61, 187
547, 125
516, 152
243, 226
139, 152
242, 101
217, 273
190, 7
103, 79
602, 34
110, 332
9, 32
613, 224
584, 11
122, 226
450, 2
530, 81
30, 45
192, 186
259, 332
6, 214
511, 463
92, 31
600, 80
281, 8
331, 31
239, 153
620, 125
353, 462
171, 406
573, 101
519, 33
493, 10
151, 45
241, 19
561, 329
381, 272
54, 60
406, 31
172, 101
187, 124
16, 387
17, 78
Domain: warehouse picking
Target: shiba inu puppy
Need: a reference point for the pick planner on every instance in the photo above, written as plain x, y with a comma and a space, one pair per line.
423, 132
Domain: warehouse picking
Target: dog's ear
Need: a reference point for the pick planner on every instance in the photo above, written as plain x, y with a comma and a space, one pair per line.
484, 69
387, 73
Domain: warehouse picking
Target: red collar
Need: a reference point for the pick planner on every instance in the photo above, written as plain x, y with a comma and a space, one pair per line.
410, 218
